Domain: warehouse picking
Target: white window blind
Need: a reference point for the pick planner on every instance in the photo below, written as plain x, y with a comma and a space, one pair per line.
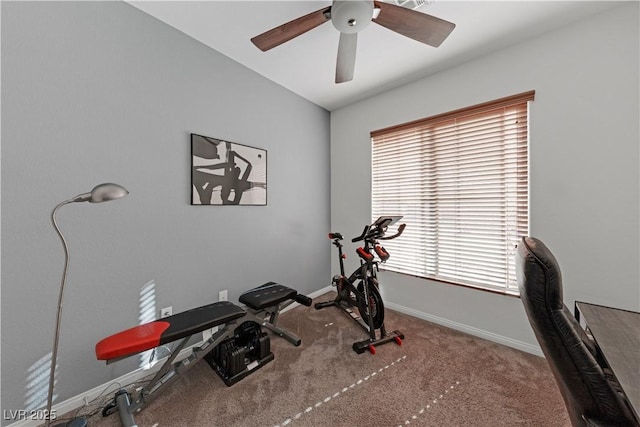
461, 181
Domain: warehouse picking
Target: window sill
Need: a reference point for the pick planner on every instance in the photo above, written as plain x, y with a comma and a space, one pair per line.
512, 294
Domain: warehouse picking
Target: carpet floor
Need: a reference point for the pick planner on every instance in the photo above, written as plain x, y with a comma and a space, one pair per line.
438, 377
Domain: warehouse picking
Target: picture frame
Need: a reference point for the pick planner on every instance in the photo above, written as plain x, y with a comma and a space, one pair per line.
227, 173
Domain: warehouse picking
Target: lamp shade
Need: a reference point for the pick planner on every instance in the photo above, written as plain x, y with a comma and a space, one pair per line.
106, 192
102, 193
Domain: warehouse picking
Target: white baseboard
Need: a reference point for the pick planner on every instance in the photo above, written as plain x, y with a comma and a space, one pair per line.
481, 333
76, 402
500, 339
321, 291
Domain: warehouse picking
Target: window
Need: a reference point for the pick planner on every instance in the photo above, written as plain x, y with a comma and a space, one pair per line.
461, 181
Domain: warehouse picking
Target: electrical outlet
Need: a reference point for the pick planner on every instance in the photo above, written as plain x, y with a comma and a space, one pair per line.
223, 295
165, 312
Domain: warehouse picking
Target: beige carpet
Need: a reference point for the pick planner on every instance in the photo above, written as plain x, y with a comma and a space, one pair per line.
438, 377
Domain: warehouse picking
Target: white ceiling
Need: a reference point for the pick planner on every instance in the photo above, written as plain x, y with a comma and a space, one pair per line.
306, 64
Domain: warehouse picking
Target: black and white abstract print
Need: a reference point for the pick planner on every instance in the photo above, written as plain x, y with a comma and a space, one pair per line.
227, 173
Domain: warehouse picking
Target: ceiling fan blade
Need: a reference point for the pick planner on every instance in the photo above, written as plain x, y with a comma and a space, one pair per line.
413, 24
285, 32
346, 57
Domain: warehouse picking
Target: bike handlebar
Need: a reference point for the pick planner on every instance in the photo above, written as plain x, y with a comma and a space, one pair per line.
398, 233
375, 232
361, 236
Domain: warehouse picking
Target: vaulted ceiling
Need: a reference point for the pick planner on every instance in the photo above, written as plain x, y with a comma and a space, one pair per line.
306, 64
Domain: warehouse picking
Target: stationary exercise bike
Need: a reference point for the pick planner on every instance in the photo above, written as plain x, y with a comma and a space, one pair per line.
361, 288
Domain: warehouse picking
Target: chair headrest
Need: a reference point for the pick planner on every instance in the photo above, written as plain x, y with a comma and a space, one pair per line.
538, 274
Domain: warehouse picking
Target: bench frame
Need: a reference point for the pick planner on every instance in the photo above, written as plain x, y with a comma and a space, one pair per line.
267, 315
168, 373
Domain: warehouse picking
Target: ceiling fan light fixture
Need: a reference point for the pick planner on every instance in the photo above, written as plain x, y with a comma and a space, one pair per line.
351, 16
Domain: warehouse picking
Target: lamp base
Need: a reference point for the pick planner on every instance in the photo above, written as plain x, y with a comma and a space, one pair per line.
76, 422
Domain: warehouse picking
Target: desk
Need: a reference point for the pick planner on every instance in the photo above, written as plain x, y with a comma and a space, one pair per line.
617, 334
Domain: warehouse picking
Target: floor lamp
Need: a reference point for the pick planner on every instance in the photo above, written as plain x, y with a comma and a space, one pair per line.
101, 193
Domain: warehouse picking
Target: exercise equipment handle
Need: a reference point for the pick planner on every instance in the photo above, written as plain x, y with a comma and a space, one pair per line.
364, 233
303, 299
382, 253
398, 233
366, 256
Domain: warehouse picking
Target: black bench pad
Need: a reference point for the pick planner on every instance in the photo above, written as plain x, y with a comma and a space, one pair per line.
267, 295
166, 330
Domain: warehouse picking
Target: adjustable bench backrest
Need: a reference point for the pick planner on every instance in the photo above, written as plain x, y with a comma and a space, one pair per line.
171, 328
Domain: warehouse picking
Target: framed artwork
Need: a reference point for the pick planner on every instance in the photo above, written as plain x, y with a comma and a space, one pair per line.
227, 173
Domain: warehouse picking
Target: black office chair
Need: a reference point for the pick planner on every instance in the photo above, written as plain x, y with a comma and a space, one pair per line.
590, 397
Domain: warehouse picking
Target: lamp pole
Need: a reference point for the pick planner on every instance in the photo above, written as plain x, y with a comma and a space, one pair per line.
100, 193
56, 336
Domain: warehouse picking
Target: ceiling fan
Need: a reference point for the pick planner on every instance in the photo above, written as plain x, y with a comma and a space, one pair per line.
350, 17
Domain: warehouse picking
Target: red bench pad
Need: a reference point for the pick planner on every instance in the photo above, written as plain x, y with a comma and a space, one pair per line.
166, 330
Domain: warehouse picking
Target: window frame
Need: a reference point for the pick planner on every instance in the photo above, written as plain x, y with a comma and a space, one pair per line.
430, 125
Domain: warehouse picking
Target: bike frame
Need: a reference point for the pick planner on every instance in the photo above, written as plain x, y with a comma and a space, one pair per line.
368, 298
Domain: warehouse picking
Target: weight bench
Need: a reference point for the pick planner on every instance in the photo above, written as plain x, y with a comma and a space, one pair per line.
166, 330
265, 303
233, 351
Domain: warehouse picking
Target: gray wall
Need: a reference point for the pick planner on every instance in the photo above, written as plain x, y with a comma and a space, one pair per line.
98, 92
584, 162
